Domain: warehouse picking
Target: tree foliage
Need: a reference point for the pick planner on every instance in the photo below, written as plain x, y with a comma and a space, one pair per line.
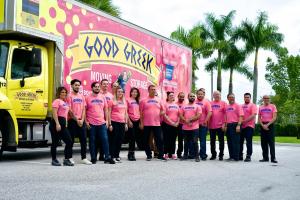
104, 5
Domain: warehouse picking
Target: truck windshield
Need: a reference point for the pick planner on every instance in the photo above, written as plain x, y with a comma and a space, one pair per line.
3, 58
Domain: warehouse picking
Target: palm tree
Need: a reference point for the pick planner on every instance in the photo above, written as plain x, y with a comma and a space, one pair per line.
104, 5
193, 39
260, 35
216, 32
233, 61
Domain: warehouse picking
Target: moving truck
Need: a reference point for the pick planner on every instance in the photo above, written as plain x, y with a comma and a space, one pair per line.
47, 43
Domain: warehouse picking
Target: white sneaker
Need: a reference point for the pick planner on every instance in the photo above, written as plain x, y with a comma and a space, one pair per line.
118, 160
85, 161
72, 161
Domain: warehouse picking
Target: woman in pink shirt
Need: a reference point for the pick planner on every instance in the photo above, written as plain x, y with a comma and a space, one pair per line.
169, 125
58, 127
133, 109
117, 111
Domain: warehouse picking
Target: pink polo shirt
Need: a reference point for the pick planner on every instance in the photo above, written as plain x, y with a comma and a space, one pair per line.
118, 111
108, 96
206, 108
151, 108
218, 114
266, 112
133, 109
172, 111
77, 104
249, 109
62, 108
233, 113
188, 111
95, 109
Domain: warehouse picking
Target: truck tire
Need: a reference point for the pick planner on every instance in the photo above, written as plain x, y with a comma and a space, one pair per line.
1, 145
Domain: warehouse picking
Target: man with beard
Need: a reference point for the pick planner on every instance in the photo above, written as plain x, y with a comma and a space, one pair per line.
76, 123
190, 114
97, 123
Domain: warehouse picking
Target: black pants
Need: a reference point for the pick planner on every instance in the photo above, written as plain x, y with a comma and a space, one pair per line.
268, 140
169, 133
64, 135
233, 141
191, 141
179, 140
246, 133
132, 134
157, 137
75, 131
116, 139
213, 133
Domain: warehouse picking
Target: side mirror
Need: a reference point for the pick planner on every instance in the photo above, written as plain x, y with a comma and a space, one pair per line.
22, 81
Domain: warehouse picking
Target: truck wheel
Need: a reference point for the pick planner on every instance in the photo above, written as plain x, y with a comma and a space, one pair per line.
1, 145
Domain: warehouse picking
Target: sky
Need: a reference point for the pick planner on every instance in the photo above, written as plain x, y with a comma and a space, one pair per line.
164, 16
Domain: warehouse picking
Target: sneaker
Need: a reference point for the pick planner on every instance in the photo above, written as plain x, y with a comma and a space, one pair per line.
166, 156
179, 156
72, 161
109, 161
55, 163
174, 157
220, 158
85, 161
101, 158
247, 159
149, 158
197, 159
67, 162
117, 160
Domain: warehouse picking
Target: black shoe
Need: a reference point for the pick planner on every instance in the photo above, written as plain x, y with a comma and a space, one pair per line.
236, 159
264, 160
179, 156
101, 158
241, 158
220, 158
184, 158
109, 161
131, 157
274, 161
197, 159
67, 162
247, 159
213, 158
94, 161
55, 163
204, 159
155, 155
149, 158
229, 159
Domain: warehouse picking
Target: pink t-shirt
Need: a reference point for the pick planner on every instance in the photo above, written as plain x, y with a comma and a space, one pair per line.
188, 111
118, 111
62, 107
95, 109
233, 113
151, 108
180, 105
77, 104
206, 108
218, 114
266, 112
108, 96
172, 111
249, 109
133, 109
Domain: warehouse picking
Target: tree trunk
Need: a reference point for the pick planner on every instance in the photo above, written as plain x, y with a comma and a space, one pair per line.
255, 77
212, 83
219, 78
230, 89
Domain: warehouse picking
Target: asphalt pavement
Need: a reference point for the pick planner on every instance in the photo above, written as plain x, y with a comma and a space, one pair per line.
28, 174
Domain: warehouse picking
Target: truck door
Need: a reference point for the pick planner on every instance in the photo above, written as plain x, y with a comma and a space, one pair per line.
26, 82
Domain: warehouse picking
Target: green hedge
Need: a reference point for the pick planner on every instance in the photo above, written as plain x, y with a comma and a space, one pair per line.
283, 130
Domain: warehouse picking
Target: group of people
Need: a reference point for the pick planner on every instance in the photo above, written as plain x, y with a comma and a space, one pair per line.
106, 117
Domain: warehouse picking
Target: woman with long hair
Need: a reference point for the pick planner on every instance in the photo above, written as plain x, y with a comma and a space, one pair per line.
117, 111
133, 120
58, 127
170, 124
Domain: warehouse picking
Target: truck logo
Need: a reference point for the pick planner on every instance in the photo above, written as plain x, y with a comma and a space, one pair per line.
102, 47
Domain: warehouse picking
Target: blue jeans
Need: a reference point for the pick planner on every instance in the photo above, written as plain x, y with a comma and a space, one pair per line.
98, 132
202, 136
233, 141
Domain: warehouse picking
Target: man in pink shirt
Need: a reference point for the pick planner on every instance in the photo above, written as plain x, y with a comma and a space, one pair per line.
151, 111
203, 121
76, 123
267, 115
234, 117
190, 114
97, 123
180, 103
217, 125
248, 125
